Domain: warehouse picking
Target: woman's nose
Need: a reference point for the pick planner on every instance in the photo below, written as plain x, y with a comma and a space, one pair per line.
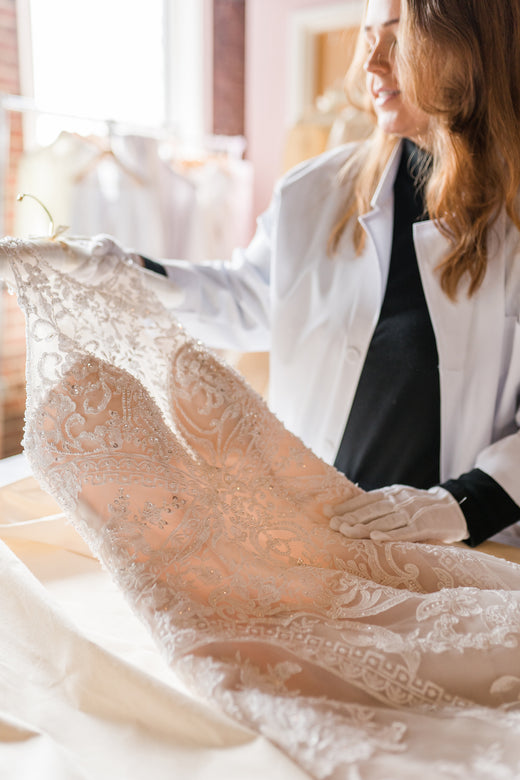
378, 59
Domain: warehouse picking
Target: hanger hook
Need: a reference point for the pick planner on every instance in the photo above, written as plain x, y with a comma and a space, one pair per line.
23, 195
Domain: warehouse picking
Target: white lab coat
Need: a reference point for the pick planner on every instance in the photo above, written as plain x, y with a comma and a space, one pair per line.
316, 314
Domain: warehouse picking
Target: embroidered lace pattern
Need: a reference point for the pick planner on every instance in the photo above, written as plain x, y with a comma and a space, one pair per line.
359, 660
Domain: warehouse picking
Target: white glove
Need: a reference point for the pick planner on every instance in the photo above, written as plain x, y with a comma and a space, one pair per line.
169, 294
105, 245
401, 513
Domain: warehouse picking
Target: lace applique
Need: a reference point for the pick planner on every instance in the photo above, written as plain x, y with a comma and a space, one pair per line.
324, 735
506, 685
485, 764
209, 516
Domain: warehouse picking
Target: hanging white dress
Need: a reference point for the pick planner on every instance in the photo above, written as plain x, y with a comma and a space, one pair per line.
359, 660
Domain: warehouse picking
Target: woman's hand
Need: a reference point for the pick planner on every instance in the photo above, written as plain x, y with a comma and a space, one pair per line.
400, 513
107, 245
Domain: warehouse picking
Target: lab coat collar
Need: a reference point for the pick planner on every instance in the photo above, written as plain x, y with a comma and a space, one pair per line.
385, 188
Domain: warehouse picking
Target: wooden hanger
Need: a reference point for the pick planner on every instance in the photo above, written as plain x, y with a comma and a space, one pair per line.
107, 153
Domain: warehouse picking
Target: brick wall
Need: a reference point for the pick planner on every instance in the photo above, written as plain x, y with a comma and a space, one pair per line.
228, 66
12, 338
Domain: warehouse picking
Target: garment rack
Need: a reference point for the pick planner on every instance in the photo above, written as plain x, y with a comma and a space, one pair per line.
234, 146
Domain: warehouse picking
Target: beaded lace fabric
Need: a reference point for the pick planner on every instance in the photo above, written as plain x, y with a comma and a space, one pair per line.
359, 660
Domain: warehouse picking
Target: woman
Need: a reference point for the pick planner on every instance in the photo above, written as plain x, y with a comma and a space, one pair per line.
398, 357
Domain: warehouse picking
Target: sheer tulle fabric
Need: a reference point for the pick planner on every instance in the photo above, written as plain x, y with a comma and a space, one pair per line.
359, 660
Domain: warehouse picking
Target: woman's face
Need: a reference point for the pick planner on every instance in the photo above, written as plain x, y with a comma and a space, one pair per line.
394, 115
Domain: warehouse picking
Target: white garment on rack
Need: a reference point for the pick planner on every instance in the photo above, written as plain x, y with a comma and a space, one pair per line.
155, 207
48, 174
223, 208
117, 200
357, 659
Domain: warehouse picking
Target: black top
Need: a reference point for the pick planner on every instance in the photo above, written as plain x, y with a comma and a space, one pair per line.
393, 431
392, 435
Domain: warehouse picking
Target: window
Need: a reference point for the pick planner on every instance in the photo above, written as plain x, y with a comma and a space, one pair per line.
138, 62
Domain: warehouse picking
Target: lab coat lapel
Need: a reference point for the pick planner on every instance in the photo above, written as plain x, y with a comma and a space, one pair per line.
460, 324
379, 222
469, 342
451, 320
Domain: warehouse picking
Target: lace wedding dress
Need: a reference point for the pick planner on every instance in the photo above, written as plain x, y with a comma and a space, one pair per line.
359, 660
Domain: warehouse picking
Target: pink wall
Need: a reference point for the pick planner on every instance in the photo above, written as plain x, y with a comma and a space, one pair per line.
267, 37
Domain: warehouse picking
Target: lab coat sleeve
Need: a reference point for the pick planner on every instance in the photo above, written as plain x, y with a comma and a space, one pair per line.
226, 304
486, 506
501, 460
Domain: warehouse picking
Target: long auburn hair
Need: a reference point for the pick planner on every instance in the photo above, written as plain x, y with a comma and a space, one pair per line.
459, 61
